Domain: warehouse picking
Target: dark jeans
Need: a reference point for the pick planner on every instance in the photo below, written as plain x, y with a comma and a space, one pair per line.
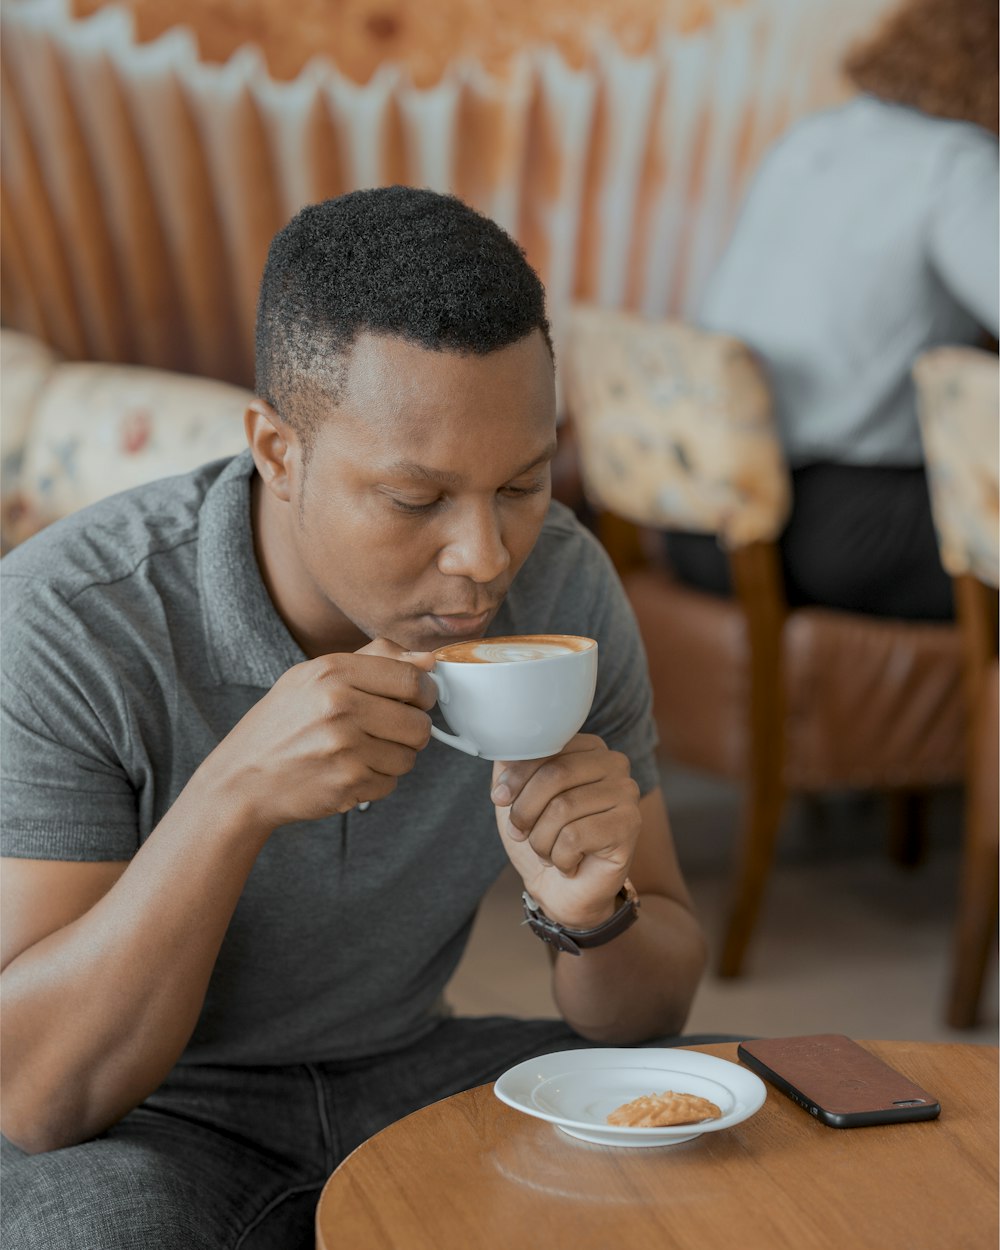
220, 1158
859, 538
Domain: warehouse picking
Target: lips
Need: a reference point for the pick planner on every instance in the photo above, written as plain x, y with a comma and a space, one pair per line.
463, 624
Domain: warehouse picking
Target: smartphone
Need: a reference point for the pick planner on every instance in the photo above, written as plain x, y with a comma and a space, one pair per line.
838, 1081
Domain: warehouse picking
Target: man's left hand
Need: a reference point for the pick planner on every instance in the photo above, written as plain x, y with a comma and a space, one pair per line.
569, 824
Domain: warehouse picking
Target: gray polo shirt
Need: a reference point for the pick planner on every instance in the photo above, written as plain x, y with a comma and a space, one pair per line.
137, 632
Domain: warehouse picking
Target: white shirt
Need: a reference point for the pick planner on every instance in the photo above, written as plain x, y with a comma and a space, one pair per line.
870, 234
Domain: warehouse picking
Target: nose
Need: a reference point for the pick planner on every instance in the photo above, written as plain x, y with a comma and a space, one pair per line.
474, 546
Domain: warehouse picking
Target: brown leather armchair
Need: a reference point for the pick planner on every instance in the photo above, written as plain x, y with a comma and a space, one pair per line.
675, 430
958, 393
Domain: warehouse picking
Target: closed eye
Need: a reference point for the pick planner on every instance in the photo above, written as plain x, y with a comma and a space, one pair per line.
414, 509
517, 492
511, 491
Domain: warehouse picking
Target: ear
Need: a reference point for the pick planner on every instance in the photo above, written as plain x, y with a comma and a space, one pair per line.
273, 445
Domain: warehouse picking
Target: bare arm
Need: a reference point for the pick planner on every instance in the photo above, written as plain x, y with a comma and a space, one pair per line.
105, 966
575, 830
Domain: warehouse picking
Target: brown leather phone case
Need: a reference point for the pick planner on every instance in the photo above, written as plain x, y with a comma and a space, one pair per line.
837, 1080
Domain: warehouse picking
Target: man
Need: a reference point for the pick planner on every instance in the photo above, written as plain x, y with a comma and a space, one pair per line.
239, 872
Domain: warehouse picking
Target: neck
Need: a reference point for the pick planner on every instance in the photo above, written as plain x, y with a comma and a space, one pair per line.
317, 625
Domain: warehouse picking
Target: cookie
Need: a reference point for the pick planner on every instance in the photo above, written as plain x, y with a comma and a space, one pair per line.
662, 1110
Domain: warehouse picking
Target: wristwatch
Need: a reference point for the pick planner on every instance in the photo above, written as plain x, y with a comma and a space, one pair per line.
574, 941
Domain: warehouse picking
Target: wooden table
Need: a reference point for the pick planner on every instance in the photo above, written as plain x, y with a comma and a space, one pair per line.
471, 1173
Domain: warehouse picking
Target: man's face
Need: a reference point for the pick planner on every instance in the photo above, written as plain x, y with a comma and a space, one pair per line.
426, 489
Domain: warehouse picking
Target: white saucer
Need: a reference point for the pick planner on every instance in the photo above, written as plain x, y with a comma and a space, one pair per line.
576, 1090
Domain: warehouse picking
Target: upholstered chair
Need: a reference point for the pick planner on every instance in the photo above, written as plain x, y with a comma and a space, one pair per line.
958, 391
75, 432
675, 430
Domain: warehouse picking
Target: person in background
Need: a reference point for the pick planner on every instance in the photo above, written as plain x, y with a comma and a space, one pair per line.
868, 236
239, 873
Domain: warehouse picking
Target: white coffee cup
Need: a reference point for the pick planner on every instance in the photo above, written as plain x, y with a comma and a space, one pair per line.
515, 698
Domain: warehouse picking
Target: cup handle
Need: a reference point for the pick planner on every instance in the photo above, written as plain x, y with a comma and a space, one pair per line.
453, 740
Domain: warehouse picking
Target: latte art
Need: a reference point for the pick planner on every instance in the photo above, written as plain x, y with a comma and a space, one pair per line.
502, 652
515, 649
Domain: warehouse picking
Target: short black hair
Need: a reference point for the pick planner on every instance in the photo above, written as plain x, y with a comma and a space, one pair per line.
394, 260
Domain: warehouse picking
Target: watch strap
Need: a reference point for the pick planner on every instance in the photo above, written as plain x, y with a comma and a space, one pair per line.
575, 941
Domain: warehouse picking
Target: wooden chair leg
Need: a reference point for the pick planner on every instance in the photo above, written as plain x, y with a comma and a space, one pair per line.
975, 938
761, 821
756, 573
975, 931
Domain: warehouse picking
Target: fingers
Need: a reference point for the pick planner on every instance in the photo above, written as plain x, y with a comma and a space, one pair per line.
393, 651
571, 826
375, 715
390, 721
368, 769
529, 785
364, 790
373, 772
379, 675
353, 716
421, 659
509, 779
331, 733
580, 803
384, 647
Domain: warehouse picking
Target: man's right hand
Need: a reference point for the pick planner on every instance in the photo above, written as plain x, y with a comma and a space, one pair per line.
331, 733
107, 965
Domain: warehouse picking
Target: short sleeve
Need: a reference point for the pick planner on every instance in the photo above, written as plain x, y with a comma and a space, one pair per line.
622, 712
965, 226
66, 791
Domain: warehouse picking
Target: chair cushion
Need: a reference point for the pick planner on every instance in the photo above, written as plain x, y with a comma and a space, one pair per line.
99, 429
26, 364
872, 703
698, 654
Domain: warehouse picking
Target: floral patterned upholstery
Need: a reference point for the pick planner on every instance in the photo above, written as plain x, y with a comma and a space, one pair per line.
958, 390
675, 426
79, 432
25, 366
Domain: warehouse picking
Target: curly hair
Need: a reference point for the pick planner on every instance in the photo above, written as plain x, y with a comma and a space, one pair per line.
393, 260
938, 56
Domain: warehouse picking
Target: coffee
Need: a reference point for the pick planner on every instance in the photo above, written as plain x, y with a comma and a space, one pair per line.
512, 650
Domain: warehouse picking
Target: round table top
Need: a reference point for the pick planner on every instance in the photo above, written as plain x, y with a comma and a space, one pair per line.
472, 1173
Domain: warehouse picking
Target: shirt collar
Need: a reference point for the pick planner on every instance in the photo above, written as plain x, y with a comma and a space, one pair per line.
249, 644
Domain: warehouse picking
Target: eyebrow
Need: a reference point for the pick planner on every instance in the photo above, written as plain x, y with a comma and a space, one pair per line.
444, 477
